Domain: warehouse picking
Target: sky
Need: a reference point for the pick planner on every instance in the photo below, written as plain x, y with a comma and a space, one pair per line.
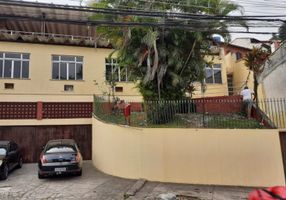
250, 7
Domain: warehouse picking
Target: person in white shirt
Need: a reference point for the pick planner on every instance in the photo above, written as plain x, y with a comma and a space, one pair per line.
247, 100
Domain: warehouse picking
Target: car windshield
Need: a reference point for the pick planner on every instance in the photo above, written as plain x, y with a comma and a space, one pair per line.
60, 149
2, 151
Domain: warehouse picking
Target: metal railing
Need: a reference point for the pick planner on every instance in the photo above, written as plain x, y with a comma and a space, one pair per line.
49, 35
195, 113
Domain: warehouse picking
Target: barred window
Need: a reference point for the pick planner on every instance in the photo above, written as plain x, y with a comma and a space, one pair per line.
14, 65
213, 74
115, 72
67, 67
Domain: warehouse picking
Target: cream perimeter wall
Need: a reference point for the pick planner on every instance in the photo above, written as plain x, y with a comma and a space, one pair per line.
196, 156
40, 86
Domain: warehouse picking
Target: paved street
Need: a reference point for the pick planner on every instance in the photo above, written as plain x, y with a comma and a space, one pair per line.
24, 184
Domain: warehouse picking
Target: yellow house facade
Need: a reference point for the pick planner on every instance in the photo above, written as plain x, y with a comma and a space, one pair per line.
40, 85
42, 82
231, 75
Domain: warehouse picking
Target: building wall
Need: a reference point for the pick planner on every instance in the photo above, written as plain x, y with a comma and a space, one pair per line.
274, 83
41, 87
195, 156
228, 60
273, 77
240, 74
213, 90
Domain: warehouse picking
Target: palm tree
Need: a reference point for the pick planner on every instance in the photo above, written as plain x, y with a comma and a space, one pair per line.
254, 61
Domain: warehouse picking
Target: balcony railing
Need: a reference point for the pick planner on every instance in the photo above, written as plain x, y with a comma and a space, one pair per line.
11, 35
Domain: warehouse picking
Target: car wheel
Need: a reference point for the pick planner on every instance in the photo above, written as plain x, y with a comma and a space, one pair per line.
79, 173
20, 162
4, 173
40, 176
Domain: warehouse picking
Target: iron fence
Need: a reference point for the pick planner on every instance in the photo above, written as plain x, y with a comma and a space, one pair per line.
195, 113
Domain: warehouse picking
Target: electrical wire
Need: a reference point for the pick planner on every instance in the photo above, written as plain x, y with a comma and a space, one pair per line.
194, 20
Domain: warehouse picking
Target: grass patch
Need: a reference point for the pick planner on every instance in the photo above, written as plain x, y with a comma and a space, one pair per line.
193, 120
234, 123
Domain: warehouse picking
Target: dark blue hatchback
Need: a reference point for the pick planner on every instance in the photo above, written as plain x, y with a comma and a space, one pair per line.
60, 157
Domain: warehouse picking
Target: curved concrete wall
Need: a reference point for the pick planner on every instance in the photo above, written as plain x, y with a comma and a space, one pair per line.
196, 156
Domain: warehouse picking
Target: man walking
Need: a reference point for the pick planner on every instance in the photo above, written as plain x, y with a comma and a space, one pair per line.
247, 100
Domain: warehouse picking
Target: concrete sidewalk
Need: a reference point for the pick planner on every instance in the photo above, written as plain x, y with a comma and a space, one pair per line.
24, 184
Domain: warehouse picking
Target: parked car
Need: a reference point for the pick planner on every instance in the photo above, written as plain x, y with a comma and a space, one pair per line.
10, 158
60, 157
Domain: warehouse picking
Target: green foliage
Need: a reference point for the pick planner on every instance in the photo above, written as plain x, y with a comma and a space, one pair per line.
282, 32
164, 61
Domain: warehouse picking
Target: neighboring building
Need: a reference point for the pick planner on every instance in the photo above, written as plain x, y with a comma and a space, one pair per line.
269, 45
228, 74
273, 77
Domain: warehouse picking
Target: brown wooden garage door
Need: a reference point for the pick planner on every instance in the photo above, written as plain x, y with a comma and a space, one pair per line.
32, 138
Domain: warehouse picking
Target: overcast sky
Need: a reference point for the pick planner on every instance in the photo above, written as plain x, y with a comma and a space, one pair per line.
251, 7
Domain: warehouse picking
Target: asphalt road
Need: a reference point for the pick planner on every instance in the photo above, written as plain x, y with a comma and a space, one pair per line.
24, 184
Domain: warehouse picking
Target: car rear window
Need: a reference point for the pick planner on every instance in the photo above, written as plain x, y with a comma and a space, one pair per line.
60, 149
2, 151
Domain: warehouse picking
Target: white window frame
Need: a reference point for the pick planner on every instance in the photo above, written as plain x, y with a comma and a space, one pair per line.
115, 66
13, 60
213, 69
75, 62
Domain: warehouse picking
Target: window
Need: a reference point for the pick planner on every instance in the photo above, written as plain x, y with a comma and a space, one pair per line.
115, 72
9, 86
67, 67
118, 89
238, 55
213, 74
60, 149
14, 65
3, 151
68, 88
13, 146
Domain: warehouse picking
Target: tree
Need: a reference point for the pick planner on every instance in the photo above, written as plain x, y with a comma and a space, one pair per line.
254, 61
163, 60
282, 32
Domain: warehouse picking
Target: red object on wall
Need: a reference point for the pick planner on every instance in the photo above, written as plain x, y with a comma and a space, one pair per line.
39, 110
127, 110
264, 195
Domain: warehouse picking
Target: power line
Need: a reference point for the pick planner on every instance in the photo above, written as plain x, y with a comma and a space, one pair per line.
129, 24
189, 21
138, 12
